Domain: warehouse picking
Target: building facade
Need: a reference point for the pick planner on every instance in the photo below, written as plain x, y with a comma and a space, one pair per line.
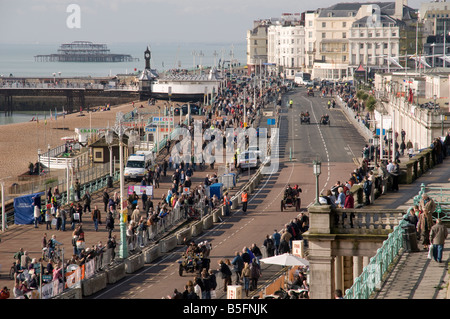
286, 45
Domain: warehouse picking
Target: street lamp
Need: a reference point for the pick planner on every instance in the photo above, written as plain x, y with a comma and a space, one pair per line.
317, 170
389, 136
109, 137
376, 142
120, 130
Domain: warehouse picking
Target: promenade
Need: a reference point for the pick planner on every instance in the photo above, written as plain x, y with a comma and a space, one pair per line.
413, 275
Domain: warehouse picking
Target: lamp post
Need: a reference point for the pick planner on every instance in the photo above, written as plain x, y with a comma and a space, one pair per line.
120, 130
109, 137
389, 136
376, 141
317, 170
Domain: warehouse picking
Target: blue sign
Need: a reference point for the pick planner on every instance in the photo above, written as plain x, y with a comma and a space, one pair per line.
378, 132
270, 121
150, 129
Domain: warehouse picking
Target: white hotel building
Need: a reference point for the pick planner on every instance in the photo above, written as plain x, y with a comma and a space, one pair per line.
286, 45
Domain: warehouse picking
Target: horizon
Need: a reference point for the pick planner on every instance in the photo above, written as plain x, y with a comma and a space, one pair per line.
131, 21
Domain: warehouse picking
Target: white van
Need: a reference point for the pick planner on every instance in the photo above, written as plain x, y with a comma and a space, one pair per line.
137, 165
247, 160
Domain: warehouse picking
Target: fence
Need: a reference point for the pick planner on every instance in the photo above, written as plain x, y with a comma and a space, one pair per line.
441, 197
371, 277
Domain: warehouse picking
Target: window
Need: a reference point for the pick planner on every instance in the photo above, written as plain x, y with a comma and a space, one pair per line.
344, 58
310, 34
361, 45
310, 23
344, 35
324, 24
323, 35
344, 24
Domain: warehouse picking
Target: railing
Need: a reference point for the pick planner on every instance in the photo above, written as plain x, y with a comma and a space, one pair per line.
52, 86
371, 277
441, 197
364, 221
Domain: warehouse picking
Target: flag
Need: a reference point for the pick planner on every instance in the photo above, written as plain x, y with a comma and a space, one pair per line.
45, 119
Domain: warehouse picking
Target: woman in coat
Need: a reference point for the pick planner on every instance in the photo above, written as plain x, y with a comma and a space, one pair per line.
427, 207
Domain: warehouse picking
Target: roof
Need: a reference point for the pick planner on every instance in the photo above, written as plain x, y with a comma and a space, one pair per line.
343, 9
384, 20
148, 75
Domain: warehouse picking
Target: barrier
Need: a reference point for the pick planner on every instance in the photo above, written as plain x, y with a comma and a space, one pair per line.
184, 234
197, 228
72, 293
168, 244
115, 273
151, 254
207, 222
94, 284
134, 263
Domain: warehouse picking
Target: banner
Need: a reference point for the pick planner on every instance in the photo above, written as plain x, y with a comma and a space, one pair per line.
140, 190
90, 269
24, 210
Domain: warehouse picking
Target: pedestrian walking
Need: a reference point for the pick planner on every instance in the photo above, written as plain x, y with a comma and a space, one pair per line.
238, 265
244, 200
269, 245
96, 217
87, 202
225, 274
105, 198
427, 206
438, 234
246, 274
255, 274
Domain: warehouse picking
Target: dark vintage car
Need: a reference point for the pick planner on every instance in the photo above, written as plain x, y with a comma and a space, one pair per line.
291, 198
195, 110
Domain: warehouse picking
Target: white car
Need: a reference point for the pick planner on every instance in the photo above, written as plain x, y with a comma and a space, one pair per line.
247, 160
255, 149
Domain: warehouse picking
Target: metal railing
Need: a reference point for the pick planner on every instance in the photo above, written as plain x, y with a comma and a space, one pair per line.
441, 197
371, 277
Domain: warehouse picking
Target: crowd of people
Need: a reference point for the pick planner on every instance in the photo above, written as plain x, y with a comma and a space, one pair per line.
144, 212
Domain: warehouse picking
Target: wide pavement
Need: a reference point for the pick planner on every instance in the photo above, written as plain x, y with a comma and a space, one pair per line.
414, 276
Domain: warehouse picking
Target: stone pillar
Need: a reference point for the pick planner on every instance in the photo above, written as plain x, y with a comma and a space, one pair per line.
322, 270
357, 266
338, 273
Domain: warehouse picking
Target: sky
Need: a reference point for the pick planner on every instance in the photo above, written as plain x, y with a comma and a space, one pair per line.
127, 21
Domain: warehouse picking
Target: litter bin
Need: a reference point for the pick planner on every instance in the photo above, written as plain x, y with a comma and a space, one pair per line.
110, 181
410, 238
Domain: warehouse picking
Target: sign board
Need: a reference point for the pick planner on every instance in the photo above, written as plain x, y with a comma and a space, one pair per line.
234, 292
378, 132
270, 121
297, 248
162, 120
140, 190
185, 190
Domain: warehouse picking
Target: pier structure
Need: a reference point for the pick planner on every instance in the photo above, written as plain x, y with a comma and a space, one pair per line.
84, 51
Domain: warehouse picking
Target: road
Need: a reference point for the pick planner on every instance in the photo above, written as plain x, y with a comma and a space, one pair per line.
336, 146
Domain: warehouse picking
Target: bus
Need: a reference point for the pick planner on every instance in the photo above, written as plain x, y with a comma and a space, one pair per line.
302, 78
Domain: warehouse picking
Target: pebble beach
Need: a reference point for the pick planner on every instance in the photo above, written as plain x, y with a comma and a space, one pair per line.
19, 142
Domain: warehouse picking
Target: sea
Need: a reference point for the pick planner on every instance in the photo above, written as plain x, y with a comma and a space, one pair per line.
18, 60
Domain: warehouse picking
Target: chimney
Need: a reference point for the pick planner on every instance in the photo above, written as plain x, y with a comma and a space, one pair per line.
398, 13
